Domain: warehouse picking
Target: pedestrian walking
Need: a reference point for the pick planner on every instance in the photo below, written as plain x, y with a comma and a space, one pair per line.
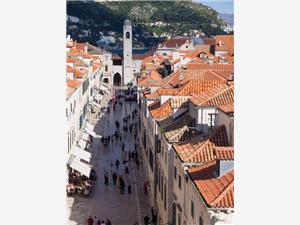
99, 222
105, 177
95, 220
108, 222
146, 220
114, 178
117, 164
129, 187
123, 147
122, 185
146, 188
90, 221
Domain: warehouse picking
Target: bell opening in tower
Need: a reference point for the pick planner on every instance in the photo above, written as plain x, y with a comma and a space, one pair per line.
127, 34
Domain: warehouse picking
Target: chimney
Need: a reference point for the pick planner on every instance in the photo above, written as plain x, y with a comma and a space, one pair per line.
224, 166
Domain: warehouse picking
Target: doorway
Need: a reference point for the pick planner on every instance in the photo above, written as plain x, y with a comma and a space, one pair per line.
117, 79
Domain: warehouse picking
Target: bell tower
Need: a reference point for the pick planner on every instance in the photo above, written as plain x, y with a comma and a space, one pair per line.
127, 52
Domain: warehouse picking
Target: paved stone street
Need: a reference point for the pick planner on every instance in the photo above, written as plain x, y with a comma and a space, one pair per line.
107, 202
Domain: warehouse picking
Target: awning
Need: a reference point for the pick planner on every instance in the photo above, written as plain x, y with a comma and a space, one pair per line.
82, 154
85, 137
103, 88
90, 132
96, 104
81, 167
97, 97
82, 144
89, 126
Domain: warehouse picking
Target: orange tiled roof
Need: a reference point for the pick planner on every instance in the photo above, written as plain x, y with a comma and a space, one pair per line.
74, 52
69, 69
227, 74
70, 60
177, 130
187, 75
201, 148
151, 80
73, 83
199, 66
161, 91
197, 87
79, 72
227, 108
227, 43
154, 105
163, 111
224, 153
219, 95
217, 192
209, 41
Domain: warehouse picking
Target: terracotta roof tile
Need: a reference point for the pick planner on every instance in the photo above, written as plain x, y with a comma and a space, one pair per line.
73, 83
152, 79
219, 95
154, 105
209, 41
197, 87
163, 111
224, 153
227, 108
177, 130
201, 147
227, 43
217, 192
199, 66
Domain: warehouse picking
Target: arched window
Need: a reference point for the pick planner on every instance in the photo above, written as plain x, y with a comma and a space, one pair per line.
127, 34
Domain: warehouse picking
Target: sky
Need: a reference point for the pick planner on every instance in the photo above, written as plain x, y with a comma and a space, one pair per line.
222, 6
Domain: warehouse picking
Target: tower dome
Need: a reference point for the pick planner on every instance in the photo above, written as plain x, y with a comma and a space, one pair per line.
127, 22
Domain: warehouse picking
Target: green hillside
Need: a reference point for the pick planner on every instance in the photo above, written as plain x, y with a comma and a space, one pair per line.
174, 18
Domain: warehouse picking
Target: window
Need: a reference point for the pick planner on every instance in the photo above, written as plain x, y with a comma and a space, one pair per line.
71, 107
166, 157
175, 173
179, 182
192, 208
106, 68
211, 119
151, 159
186, 46
127, 34
200, 220
74, 104
66, 112
158, 180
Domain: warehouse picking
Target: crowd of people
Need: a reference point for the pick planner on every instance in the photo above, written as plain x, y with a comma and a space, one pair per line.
118, 173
